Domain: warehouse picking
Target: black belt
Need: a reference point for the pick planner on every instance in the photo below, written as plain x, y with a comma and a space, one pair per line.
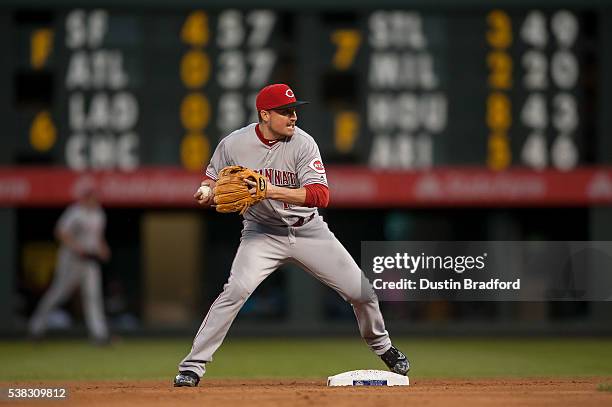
303, 221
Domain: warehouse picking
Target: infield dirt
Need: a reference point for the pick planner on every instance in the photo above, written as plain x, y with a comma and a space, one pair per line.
255, 393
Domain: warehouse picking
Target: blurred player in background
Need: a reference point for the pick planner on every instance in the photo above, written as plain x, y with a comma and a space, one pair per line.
80, 231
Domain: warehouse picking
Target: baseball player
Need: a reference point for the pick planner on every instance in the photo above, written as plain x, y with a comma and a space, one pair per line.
285, 227
80, 230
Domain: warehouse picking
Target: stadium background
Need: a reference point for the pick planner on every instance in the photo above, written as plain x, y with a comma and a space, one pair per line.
435, 122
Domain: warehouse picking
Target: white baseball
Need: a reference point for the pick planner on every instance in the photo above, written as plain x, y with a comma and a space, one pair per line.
205, 192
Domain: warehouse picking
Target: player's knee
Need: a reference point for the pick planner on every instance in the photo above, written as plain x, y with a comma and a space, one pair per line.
236, 291
365, 295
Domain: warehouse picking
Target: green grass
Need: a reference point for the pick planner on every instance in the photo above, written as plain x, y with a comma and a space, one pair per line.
292, 358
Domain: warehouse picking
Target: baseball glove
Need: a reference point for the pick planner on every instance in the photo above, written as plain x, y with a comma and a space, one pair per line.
232, 192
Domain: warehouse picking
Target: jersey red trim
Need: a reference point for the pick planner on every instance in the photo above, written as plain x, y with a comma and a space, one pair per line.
268, 143
317, 195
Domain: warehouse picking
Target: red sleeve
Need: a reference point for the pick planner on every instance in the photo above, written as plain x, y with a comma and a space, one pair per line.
317, 195
206, 177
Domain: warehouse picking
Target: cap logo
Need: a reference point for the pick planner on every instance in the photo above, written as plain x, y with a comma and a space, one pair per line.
289, 93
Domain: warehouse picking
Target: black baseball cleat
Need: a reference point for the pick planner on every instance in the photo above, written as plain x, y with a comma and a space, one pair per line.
396, 361
186, 379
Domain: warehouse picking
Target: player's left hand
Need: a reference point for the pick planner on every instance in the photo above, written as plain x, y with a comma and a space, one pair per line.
253, 187
234, 194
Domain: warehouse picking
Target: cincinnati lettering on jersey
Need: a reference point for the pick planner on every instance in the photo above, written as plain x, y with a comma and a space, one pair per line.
280, 178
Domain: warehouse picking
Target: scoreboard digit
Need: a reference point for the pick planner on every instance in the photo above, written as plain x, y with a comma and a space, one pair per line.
244, 65
555, 77
195, 71
499, 107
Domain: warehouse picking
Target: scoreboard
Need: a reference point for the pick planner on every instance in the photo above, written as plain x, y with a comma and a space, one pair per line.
118, 88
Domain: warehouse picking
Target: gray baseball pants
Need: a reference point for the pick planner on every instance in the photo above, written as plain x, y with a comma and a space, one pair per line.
71, 271
262, 250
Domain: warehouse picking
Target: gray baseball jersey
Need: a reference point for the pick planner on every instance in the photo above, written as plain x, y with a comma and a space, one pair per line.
86, 226
292, 163
271, 237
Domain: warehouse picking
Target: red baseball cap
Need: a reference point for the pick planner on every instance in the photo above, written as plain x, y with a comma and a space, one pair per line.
276, 96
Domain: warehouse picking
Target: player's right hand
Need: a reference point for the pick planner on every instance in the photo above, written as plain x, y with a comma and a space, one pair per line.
205, 201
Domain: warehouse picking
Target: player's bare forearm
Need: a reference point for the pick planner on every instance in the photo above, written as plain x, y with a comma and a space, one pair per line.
287, 195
